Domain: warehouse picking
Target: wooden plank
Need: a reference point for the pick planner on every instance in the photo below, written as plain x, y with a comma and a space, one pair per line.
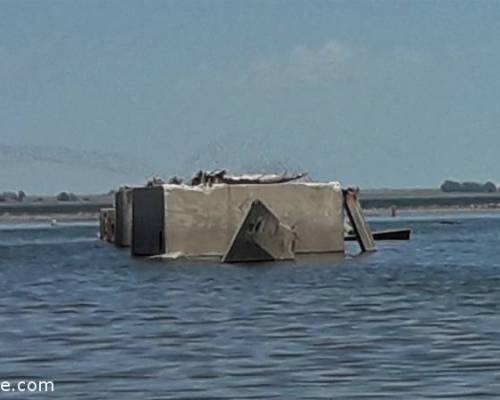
390, 234
260, 237
357, 219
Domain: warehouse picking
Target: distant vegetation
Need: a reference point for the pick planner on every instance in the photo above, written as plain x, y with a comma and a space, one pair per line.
65, 196
12, 196
449, 186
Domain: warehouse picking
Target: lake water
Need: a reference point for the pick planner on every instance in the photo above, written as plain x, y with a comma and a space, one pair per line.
417, 319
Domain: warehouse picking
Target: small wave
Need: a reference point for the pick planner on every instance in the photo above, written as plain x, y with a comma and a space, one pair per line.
36, 226
45, 242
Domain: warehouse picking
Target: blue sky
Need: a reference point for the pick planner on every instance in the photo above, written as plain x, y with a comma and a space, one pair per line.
373, 93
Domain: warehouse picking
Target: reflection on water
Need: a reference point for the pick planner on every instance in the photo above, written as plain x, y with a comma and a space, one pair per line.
414, 320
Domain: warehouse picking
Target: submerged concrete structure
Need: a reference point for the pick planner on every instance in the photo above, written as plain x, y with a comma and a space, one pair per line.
246, 218
107, 224
203, 221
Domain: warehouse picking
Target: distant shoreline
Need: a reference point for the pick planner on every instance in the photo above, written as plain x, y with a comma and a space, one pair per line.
375, 202
427, 199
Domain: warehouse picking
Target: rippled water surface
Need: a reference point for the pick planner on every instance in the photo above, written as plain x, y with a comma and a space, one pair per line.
415, 320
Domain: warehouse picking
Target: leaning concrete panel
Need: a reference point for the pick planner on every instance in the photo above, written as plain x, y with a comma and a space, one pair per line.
358, 222
202, 221
261, 237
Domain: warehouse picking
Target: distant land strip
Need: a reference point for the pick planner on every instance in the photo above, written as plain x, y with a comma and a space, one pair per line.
67, 208
426, 198
370, 199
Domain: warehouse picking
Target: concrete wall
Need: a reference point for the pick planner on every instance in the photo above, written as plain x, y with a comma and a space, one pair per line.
148, 221
123, 207
202, 221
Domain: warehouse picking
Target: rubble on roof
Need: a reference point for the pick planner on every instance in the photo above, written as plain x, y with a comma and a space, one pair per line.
221, 176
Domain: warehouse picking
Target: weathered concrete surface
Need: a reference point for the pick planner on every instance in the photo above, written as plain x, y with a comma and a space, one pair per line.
123, 207
201, 221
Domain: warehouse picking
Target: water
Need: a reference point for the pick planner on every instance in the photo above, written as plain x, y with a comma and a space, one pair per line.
418, 319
